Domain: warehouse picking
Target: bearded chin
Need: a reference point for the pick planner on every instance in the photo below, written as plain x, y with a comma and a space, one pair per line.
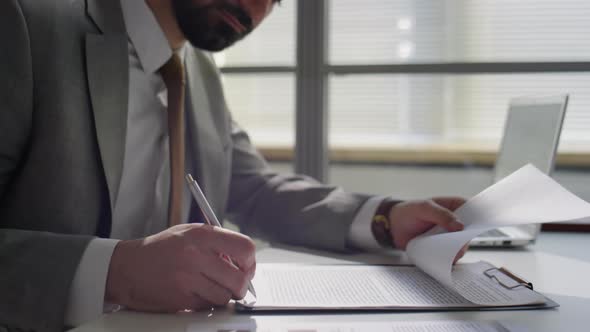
213, 40
201, 31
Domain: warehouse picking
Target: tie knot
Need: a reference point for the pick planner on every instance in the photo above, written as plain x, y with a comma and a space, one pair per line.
173, 71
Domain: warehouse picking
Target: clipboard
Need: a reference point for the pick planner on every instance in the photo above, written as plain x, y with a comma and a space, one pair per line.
501, 276
240, 308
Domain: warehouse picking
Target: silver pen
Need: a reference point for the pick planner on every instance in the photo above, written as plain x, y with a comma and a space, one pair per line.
210, 216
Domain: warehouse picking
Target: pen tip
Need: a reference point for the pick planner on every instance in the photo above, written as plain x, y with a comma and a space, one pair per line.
251, 289
189, 177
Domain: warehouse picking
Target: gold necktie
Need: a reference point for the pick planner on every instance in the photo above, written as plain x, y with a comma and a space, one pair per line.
173, 75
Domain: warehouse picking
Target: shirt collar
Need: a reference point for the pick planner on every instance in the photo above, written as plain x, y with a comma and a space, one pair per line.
146, 35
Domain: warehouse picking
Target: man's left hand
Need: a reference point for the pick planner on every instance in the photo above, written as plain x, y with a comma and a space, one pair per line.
412, 218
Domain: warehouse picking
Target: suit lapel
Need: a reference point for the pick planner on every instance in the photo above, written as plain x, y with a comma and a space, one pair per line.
107, 15
108, 80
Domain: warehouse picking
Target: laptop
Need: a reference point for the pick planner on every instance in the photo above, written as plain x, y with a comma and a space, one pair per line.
531, 135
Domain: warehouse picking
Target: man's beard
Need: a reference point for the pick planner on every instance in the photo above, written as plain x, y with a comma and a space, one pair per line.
204, 28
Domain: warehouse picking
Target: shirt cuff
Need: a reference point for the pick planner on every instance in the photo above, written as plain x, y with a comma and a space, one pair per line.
360, 234
86, 300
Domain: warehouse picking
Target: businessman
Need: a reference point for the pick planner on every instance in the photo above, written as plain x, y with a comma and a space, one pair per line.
104, 105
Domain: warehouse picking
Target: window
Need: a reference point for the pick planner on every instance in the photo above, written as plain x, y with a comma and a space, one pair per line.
259, 82
381, 31
415, 75
264, 104
387, 109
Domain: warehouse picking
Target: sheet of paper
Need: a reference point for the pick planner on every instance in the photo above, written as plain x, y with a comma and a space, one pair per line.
349, 286
525, 197
402, 326
368, 286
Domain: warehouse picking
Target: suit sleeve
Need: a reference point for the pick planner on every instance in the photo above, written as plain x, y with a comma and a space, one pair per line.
292, 209
288, 208
36, 268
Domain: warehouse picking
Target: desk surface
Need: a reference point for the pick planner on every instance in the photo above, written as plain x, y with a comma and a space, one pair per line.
558, 265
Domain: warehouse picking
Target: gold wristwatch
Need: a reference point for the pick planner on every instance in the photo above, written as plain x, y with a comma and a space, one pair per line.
381, 225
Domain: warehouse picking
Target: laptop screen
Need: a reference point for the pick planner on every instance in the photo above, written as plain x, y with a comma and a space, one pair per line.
531, 135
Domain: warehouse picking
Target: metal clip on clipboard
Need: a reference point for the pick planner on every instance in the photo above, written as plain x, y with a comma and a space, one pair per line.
490, 273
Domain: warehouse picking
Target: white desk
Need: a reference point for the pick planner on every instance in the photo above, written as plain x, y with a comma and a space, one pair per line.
558, 265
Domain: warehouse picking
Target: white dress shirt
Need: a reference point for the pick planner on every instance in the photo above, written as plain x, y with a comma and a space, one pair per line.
141, 208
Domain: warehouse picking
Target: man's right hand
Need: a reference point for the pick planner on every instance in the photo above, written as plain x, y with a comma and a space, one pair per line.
180, 268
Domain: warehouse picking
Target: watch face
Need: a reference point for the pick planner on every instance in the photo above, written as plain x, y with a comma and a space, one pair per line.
380, 230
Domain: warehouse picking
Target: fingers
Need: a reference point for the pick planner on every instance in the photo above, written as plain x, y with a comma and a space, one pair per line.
434, 213
209, 291
461, 253
451, 203
221, 241
197, 303
209, 261
198, 293
227, 275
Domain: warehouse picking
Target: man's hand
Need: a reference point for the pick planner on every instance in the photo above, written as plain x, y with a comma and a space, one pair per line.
180, 268
412, 218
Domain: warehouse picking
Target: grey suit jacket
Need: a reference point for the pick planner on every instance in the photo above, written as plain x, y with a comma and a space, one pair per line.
63, 111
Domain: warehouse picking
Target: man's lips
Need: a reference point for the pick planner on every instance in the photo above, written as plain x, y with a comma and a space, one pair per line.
232, 21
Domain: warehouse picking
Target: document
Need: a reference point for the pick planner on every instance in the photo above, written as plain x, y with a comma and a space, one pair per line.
402, 326
323, 287
527, 196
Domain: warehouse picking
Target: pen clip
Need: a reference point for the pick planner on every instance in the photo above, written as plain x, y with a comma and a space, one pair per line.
189, 178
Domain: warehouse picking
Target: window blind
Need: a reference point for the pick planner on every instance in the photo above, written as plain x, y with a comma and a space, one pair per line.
402, 109
481, 101
264, 104
271, 44
504, 30
523, 30
385, 31
388, 109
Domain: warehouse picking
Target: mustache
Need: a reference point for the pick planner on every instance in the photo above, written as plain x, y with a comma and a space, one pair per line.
204, 26
240, 14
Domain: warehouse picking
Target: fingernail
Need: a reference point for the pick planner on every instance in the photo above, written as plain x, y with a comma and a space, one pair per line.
457, 226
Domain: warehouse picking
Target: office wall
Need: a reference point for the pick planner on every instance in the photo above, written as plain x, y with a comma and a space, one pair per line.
407, 182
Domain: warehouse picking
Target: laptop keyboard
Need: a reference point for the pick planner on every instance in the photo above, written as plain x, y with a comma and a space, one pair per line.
493, 233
